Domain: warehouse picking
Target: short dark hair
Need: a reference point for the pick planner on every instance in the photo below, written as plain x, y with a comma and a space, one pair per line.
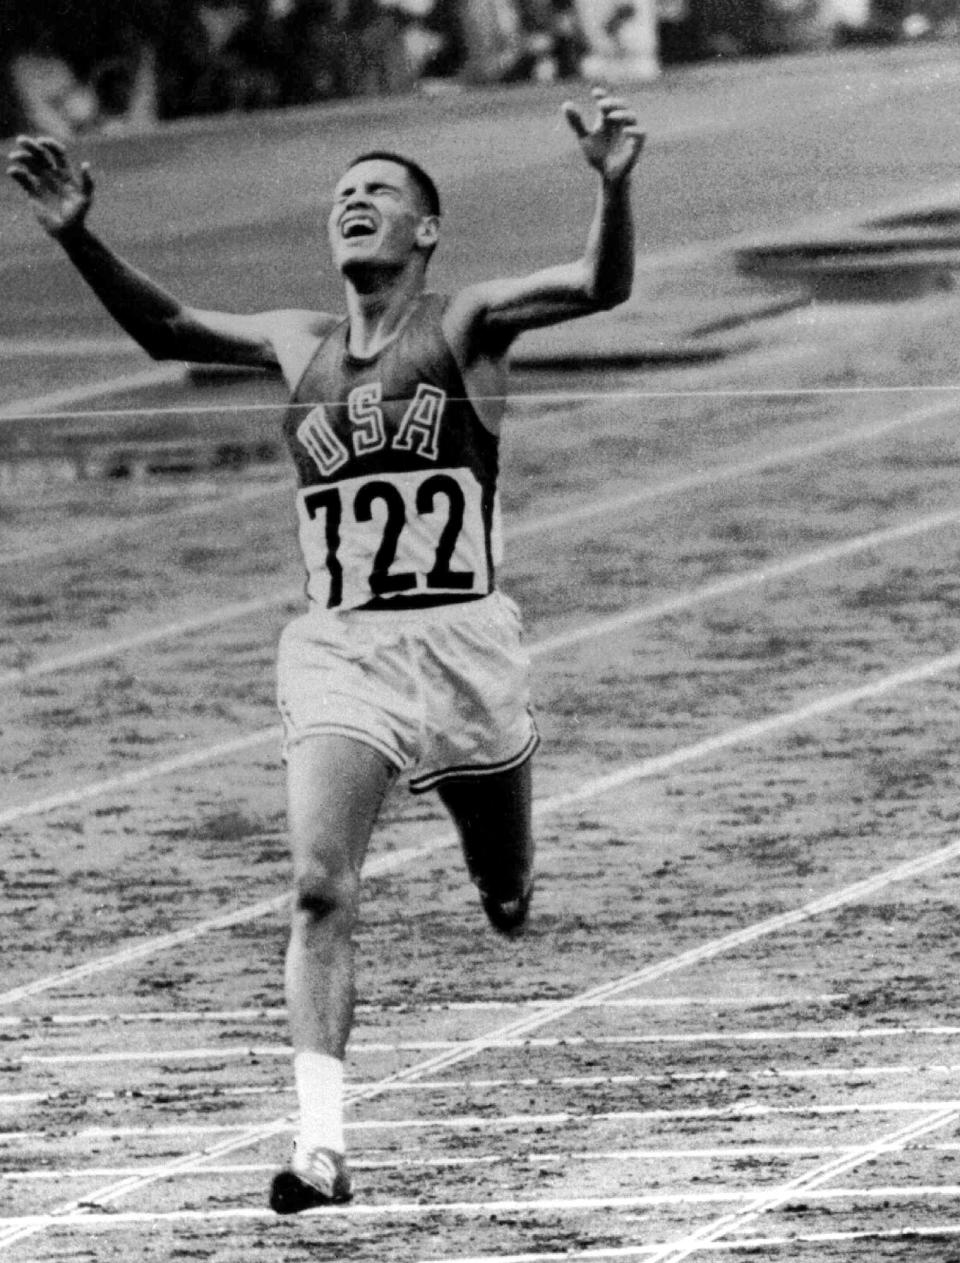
428, 190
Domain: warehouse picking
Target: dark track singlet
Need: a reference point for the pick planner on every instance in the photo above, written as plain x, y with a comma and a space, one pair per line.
397, 503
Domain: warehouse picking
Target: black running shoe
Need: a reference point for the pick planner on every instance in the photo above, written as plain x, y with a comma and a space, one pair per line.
320, 1178
509, 916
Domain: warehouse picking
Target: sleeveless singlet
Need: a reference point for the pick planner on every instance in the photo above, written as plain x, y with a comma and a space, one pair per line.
397, 503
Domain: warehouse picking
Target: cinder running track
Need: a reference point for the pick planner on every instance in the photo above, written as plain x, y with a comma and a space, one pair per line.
732, 1030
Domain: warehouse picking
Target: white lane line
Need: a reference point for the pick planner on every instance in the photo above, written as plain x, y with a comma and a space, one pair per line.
234, 612
807, 1184
746, 1245
545, 524
594, 788
233, 1052
133, 952
142, 775
54, 401
280, 1015
143, 523
147, 522
715, 1153
738, 583
773, 724
572, 636
443, 1160
190, 1163
768, 1076
33, 410
484, 1209
475, 1124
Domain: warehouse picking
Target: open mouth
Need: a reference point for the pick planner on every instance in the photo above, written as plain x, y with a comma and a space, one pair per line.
354, 226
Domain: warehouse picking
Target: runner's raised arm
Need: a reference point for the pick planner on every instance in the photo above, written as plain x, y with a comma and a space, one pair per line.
165, 327
494, 312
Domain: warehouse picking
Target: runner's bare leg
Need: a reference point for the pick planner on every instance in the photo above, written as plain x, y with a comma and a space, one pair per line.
493, 815
335, 788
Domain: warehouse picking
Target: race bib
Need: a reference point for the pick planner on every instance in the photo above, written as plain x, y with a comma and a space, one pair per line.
410, 538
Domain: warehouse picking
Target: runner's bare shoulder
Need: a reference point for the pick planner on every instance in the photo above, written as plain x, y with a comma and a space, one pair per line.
296, 334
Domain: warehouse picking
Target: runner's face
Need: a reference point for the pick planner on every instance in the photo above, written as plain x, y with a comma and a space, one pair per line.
376, 216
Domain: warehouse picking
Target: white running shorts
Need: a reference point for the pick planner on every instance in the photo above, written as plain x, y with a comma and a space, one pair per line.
441, 693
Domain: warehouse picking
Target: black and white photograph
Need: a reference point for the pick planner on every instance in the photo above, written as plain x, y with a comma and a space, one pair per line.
480, 631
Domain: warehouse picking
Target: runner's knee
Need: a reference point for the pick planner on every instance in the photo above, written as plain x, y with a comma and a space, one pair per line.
324, 891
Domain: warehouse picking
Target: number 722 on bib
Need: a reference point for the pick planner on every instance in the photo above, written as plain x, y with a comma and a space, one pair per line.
408, 538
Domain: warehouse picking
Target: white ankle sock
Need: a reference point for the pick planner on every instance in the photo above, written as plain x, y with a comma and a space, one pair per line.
319, 1080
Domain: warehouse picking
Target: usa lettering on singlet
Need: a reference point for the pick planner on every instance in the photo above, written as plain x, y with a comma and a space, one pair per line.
397, 503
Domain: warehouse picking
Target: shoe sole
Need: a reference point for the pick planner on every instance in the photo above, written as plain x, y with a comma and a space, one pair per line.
289, 1195
511, 921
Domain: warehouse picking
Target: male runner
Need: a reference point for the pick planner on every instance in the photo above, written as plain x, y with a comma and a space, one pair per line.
408, 659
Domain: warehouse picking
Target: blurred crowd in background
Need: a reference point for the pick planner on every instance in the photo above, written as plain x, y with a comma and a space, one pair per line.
68, 66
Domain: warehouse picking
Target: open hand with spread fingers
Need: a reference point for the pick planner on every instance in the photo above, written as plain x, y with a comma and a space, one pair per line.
613, 144
61, 196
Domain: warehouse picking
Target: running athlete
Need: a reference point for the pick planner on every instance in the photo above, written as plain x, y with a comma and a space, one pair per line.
408, 659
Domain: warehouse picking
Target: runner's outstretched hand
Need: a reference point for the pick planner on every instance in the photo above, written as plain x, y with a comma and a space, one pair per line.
612, 146
60, 196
